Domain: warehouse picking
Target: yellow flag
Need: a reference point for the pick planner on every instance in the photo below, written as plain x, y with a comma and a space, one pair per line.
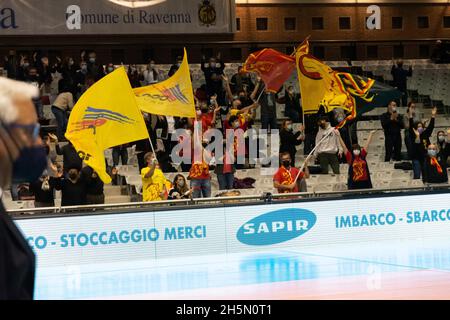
319, 84
105, 116
172, 97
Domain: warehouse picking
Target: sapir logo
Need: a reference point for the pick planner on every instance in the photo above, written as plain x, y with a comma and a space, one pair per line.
276, 227
73, 17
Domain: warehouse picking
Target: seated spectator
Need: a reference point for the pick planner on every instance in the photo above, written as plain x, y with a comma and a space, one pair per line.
417, 151
180, 189
61, 106
153, 180
358, 169
443, 143
434, 167
392, 123
289, 140
329, 149
283, 180
94, 186
73, 188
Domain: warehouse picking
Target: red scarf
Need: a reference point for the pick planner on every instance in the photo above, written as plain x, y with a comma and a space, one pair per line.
436, 164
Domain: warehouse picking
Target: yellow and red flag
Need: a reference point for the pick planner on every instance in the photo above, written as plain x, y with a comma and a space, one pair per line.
273, 67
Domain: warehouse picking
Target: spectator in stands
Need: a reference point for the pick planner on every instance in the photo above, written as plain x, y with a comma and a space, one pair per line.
110, 68
213, 71
12, 64
94, 186
24, 66
73, 188
358, 169
443, 143
434, 167
34, 79
310, 129
95, 69
241, 81
337, 116
292, 108
174, 68
180, 189
284, 178
68, 70
329, 149
400, 76
71, 159
120, 153
225, 170
61, 106
207, 114
411, 112
43, 69
133, 76
153, 180
418, 150
199, 172
289, 140
43, 193
151, 74
392, 123
80, 78
267, 100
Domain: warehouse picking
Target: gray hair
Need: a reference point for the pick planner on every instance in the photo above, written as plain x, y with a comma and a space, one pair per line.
9, 90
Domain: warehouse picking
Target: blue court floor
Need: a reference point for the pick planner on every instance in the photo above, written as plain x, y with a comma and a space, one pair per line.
292, 272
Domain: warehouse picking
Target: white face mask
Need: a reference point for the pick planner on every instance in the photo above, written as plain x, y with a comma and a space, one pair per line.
181, 183
289, 127
394, 109
441, 138
356, 152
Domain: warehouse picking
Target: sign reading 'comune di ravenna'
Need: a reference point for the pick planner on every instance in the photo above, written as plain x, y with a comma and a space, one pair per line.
65, 17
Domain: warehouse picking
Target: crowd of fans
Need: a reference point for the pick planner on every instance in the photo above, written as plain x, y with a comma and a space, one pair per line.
222, 103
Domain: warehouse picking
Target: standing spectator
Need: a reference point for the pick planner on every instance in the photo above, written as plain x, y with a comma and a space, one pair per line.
71, 159
133, 76
73, 188
180, 189
120, 153
151, 74
110, 68
392, 123
174, 68
69, 76
153, 180
400, 79
241, 81
12, 64
80, 78
60, 108
43, 193
358, 169
329, 149
444, 144
267, 100
418, 150
434, 167
95, 69
34, 79
292, 108
200, 180
225, 170
283, 180
213, 71
310, 129
289, 140
94, 186
411, 112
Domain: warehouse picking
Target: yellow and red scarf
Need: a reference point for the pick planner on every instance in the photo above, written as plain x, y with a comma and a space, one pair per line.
435, 163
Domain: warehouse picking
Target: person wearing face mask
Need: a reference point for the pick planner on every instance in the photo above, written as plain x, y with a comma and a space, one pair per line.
213, 71
292, 108
22, 159
267, 101
400, 76
289, 140
434, 167
392, 123
174, 68
110, 68
94, 186
153, 180
283, 179
150, 75
180, 189
133, 76
80, 79
241, 81
443, 143
73, 187
358, 168
418, 150
328, 150
95, 69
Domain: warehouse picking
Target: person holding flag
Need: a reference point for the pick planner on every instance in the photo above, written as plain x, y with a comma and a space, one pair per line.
289, 179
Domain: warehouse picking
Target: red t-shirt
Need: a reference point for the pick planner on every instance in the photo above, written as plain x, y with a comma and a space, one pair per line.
207, 121
284, 176
359, 166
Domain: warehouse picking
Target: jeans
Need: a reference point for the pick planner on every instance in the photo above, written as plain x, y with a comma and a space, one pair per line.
226, 181
119, 152
393, 145
39, 108
417, 169
201, 188
331, 159
268, 120
61, 120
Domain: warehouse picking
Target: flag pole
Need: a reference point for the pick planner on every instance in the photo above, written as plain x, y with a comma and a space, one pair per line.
153, 149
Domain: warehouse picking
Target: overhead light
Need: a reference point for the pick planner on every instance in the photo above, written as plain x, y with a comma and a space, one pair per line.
136, 3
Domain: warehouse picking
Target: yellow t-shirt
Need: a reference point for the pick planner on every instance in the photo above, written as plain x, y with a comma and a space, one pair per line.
153, 186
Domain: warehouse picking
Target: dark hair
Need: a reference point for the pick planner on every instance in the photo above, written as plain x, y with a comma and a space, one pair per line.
175, 185
323, 118
356, 146
233, 119
285, 154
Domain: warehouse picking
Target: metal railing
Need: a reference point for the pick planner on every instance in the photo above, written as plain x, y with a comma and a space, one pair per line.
265, 198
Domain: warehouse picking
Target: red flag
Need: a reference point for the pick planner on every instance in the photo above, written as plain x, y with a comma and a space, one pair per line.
273, 67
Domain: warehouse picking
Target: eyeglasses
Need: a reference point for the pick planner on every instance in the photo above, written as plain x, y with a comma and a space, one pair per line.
31, 130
